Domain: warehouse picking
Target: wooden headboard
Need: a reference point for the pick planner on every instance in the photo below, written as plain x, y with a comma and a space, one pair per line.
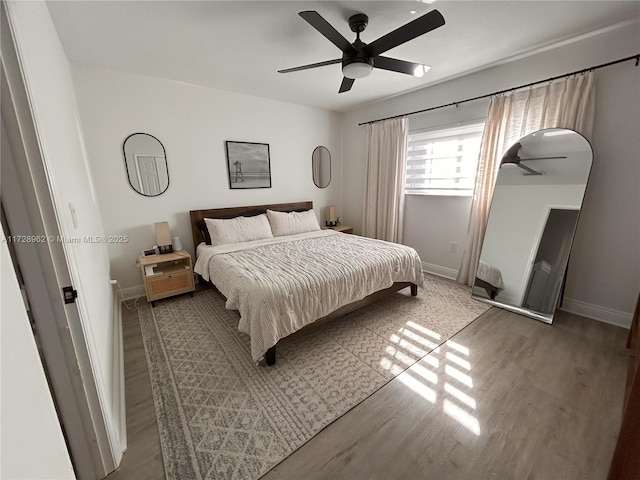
198, 216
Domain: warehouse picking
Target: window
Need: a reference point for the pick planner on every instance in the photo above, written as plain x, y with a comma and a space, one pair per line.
443, 161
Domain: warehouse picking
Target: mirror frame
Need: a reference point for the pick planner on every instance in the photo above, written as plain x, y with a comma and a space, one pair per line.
557, 295
313, 165
126, 164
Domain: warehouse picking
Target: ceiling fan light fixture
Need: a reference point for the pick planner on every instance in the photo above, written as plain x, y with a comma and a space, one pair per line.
420, 70
358, 69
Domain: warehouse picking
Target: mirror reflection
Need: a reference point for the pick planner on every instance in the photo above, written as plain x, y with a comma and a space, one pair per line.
321, 165
146, 164
532, 222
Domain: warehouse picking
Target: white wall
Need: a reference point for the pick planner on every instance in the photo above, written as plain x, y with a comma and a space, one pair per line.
32, 443
53, 102
193, 122
431, 236
604, 269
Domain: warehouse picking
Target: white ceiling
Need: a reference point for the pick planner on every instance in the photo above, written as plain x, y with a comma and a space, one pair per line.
240, 45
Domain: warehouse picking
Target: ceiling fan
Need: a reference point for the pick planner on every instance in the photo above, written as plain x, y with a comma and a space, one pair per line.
511, 157
359, 58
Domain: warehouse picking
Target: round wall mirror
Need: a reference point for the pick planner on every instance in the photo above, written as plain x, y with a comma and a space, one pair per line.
321, 165
146, 164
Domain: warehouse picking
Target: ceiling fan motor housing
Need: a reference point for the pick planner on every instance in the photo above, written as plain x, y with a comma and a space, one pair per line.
357, 63
358, 22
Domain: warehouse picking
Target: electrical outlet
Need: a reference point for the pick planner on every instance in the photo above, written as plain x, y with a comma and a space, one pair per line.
453, 247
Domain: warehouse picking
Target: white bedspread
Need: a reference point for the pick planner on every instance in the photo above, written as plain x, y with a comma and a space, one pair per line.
281, 284
490, 274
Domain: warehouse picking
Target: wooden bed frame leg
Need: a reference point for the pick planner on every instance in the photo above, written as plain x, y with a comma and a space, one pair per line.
414, 290
270, 356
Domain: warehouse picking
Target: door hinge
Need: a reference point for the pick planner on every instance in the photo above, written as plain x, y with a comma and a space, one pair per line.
69, 294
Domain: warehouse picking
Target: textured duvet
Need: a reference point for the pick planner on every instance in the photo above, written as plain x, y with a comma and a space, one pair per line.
281, 284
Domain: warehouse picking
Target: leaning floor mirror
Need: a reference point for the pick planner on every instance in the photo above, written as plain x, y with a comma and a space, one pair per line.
532, 221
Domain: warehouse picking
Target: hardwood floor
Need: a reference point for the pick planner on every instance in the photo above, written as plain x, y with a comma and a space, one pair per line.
143, 458
508, 397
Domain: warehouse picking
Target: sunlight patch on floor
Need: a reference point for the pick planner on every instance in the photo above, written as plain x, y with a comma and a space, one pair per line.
424, 330
460, 395
462, 416
458, 361
459, 376
409, 334
425, 373
456, 346
422, 377
418, 386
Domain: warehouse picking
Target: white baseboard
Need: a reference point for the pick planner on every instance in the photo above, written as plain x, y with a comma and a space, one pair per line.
445, 272
118, 399
596, 312
589, 310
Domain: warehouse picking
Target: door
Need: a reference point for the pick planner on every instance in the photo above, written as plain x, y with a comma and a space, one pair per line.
30, 213
147, 170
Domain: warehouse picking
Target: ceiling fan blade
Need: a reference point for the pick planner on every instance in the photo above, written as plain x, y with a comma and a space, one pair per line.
311, 65
530, 170
411, 30
346, 84
400, 66
325, 28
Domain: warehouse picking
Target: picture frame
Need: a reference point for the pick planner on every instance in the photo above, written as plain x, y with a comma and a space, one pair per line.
248, 165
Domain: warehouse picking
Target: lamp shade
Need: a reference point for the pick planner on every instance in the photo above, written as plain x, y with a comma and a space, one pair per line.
331, 213
163, 234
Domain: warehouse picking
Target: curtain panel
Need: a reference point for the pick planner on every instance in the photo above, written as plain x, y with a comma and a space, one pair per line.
568, 103
384, 195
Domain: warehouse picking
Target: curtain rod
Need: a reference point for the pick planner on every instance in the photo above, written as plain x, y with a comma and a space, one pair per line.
551, 79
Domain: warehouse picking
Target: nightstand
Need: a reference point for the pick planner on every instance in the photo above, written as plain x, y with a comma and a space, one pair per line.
340, 228
166, 275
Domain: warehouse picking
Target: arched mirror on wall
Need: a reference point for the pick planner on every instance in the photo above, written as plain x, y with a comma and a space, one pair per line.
146, 163
532, 221
321, 166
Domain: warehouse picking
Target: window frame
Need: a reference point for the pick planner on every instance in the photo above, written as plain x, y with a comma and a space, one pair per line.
469, 128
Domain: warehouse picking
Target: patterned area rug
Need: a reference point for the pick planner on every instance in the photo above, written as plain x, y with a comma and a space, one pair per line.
221, 416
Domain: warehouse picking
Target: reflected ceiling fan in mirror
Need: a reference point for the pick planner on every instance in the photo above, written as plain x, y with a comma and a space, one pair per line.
511, 157
359, 58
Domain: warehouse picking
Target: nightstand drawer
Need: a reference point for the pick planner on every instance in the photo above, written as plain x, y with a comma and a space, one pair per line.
173, 283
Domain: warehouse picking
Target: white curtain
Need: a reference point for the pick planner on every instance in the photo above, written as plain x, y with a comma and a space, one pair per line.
384, 196
569, 103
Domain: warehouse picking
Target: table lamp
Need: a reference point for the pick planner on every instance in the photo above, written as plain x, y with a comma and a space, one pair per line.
163, 237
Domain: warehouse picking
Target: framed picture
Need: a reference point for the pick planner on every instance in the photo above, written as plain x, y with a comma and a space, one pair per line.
248, 164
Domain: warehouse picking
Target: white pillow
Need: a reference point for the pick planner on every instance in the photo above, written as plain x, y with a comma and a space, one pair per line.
239, 229
290, 223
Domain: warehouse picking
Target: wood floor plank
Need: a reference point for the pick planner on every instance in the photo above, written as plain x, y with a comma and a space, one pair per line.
507, 397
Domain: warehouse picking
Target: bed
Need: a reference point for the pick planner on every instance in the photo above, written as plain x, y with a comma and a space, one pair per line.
282, 284
489, 277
